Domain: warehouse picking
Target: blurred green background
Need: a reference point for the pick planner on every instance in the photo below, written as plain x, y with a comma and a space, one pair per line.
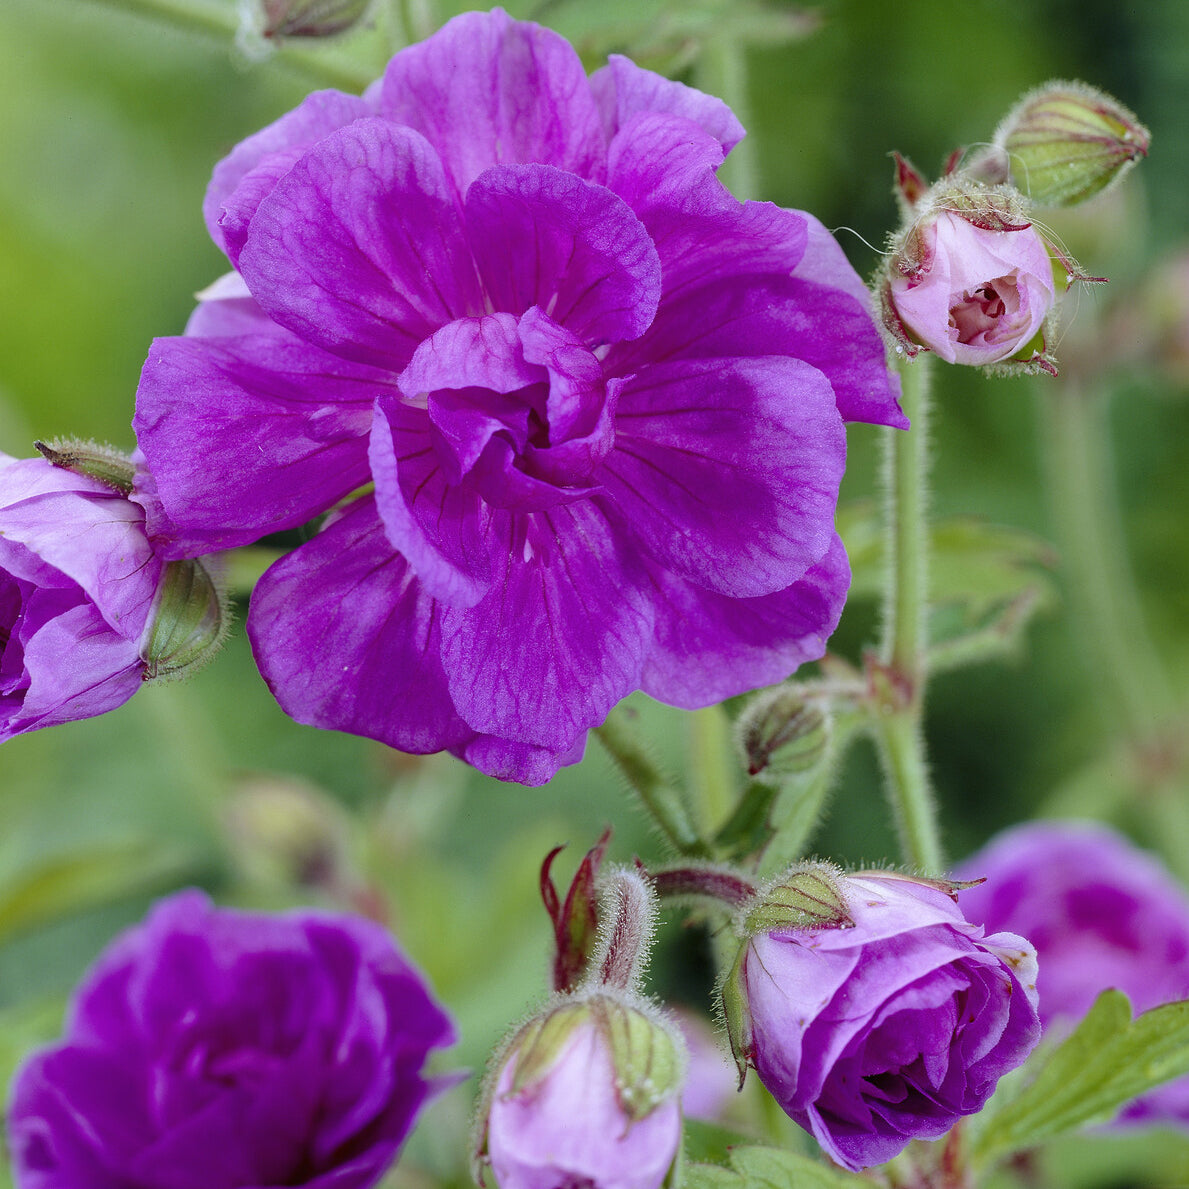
109, 126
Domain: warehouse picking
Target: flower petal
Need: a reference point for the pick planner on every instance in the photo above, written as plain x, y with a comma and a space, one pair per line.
249, 172
709, 647
728, 469
487, 90
624, 90
359, 248
282, 424
375, 670
560, 638
544, 237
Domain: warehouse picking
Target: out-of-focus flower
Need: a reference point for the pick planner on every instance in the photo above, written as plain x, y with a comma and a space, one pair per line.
1101, 913
215, 1049
710, 1080
88, 610
587, 1094
600, 400
879, 1014
976, 291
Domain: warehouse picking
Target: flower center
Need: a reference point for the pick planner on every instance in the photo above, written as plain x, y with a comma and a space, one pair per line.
986, 314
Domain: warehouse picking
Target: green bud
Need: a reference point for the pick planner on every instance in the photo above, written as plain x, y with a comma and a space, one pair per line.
190, 622
807, 896
104, 463
1067, 141
311, 18
783, 733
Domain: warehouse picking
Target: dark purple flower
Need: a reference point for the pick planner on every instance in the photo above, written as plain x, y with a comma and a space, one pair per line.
1101, 913
600, 401
892, 1027
215, 1049
78, 586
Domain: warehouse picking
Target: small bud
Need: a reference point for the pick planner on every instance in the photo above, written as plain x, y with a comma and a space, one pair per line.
783, 733
1067, 141
311, 18
190, 622
575, 922
972, 279
111, 467
587, 1093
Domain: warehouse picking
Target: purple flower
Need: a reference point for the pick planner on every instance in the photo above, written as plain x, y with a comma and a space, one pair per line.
78, 586
889, 1029
601, 402
981, 294
214, 1049
1101, 913
580, 1100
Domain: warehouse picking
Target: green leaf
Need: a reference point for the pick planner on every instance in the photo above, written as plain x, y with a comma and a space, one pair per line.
1107, 1061
710, 1176
773, 1168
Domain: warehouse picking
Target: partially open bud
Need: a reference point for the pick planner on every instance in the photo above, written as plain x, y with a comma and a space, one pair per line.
872, 1010
1067, 141
587, 1093
783, 733
972, 280
311, 18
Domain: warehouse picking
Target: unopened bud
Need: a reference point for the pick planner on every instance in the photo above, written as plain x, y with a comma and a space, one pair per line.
190, 622
590, 1090
311, 18
783, 733
1067, 141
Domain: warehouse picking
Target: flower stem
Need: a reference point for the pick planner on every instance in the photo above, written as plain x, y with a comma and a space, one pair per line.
900, 703
658, 796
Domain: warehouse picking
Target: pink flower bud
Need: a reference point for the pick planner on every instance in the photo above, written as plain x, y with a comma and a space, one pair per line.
972, 292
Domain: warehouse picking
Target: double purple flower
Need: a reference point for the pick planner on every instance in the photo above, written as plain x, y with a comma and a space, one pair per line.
589, 407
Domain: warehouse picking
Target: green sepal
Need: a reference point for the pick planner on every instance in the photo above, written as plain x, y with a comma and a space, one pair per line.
104, 463
190, 621
648, 1062
806, 897
736, 1015
541, 1041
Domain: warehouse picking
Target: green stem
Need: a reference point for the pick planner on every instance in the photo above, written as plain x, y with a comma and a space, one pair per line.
210, 19
722, 71
900, 708
1111, 630
662, 801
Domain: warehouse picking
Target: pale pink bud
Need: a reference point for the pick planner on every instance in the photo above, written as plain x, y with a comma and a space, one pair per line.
975, 294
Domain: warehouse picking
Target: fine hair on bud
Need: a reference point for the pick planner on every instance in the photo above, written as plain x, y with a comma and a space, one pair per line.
627, 923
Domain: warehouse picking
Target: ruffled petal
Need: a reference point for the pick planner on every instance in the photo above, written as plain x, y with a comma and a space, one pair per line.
226, 308
560, 638
624, 90
440, 527
543, 237
249, 172
727, 470
348, 640
520, 762
282, 424
359, 248
709, 647
776, 315
487, 90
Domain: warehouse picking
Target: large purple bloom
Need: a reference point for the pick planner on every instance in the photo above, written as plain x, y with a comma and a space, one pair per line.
78, 586
1101, 913
215, 1049
600, 400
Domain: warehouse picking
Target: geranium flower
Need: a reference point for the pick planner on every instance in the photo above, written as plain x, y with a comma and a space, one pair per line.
599, 399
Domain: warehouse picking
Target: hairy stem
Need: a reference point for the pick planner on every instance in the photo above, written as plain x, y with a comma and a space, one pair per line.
900, 705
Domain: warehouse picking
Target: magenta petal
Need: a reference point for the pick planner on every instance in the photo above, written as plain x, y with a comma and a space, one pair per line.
359, 248
624, 90
470, 353
227, 308
520, 762
103, 672
547, 238
560, 638
348, 640
487, 90
440, 528
727, 470
249, 172
282, 424
709, 647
